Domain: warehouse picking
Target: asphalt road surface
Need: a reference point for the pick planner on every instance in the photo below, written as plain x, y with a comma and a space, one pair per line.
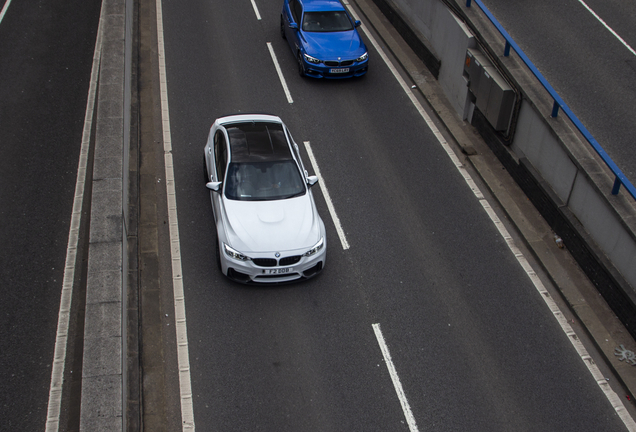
46, 51
472, 341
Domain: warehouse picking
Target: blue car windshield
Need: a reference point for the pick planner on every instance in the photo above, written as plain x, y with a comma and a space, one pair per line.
260, 181
327, 21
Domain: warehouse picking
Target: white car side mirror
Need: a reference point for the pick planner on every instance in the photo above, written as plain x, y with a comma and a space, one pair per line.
312, 180
215, 186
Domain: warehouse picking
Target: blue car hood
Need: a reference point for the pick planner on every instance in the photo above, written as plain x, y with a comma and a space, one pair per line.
331, 45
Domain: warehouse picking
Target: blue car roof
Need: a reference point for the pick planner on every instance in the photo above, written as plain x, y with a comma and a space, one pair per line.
321, 5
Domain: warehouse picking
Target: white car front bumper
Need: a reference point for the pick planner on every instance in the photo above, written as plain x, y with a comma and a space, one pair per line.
266, 269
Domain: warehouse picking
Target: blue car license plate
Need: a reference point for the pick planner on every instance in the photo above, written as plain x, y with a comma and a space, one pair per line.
340, 70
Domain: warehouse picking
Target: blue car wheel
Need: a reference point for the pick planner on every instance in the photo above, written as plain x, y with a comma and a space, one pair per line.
282, 27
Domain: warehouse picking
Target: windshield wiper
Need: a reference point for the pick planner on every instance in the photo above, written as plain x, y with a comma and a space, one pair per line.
295, 195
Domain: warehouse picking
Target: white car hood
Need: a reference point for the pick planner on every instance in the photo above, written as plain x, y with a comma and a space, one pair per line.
272, 226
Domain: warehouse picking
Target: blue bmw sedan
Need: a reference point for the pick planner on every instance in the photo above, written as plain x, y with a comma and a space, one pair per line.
324, 38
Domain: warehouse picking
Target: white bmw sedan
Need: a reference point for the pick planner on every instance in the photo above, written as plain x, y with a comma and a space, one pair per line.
268, 228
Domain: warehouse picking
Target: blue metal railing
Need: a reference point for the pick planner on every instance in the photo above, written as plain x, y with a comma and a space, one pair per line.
620, 178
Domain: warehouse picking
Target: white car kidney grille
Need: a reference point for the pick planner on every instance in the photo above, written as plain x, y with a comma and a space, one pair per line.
271, 262
264, 262
289, 260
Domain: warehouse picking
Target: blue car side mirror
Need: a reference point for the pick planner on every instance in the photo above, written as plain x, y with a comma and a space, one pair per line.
358, 23
293, 26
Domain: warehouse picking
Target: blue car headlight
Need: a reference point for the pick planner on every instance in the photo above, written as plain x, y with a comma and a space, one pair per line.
363, 57
233, 253
316, 248
311, 59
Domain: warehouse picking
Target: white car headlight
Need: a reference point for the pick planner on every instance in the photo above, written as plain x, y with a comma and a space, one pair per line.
233, 253
363, 57
316, 248
311, 59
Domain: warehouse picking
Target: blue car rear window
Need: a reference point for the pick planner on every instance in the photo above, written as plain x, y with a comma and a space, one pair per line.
326, 21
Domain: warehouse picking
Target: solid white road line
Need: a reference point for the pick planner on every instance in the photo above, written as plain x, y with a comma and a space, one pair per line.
607, 27
280, 73
258, 15
183, 356
616, 402
410, 420
61, 339
325, 193
4, 9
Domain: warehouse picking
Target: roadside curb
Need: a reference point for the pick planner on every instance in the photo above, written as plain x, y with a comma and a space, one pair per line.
111, 237
583, 299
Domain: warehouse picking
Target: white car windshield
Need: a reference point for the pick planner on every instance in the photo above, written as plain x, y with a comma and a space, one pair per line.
257, 181
328, 21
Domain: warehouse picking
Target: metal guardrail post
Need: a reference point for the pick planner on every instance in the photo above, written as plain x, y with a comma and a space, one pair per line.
617, 186
555, 109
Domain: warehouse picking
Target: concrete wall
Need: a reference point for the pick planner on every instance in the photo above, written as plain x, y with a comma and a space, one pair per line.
535, 139
449, 38
546, 154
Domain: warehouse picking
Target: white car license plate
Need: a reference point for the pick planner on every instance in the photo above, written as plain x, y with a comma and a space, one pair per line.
340, 70
279, 271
